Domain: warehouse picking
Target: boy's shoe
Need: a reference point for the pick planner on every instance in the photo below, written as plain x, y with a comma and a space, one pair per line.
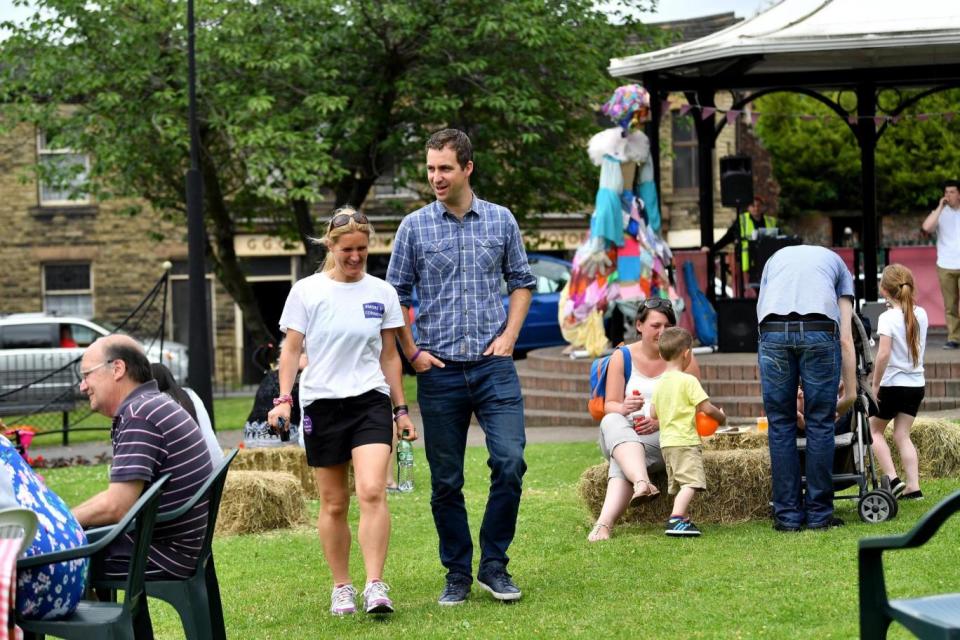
343, 600
681, 527
913, 495
830, 523
897, 487
375, 598
497, 581
455, 592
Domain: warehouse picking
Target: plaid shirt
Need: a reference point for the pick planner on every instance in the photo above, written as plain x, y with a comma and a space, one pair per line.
457, 267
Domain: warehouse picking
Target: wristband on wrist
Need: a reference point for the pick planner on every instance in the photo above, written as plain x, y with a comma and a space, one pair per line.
416, 354
399, 414
284, 398
400, 407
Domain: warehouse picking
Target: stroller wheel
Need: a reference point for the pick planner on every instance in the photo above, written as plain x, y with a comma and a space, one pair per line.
877, 506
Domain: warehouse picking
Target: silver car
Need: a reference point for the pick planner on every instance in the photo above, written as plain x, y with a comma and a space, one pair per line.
34, 345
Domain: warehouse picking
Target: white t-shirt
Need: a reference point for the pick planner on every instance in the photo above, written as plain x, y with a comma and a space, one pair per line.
342, 323
206, 427
645, 385
900, 371
948, 238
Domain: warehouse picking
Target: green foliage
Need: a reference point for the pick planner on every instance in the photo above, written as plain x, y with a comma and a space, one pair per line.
737, 581
817, 161
302, 98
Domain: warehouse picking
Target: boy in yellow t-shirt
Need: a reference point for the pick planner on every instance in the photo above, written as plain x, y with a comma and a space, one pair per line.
676, 399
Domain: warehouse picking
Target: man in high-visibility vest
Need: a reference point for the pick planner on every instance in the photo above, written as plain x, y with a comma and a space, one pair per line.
745, 225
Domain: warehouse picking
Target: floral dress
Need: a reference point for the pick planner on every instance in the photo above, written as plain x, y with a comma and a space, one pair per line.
51, 591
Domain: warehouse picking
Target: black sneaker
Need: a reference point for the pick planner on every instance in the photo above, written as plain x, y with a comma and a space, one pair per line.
455, 592
681, 528
784, 528
498, 583
950, 344
913, 495
830, 523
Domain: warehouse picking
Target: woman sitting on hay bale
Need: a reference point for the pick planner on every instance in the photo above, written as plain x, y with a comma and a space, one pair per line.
349, 320
632, 442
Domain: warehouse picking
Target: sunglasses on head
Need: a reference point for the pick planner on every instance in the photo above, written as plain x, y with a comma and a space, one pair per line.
342, 219
658, 303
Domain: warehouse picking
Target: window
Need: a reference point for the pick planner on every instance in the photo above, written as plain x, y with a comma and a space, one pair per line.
68, 290
684, 152
63, 174
82, 335
27, 336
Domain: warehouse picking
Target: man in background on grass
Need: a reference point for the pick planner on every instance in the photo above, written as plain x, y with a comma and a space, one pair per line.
805, 311
152, 436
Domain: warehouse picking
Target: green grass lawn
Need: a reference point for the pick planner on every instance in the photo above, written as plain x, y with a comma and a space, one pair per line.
737, 581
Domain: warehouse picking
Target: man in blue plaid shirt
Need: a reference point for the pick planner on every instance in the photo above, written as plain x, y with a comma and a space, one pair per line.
456, 251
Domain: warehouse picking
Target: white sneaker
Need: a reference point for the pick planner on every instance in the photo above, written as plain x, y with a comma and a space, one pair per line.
343, 600
375, 598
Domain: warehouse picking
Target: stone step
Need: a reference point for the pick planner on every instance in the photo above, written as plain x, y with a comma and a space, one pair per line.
552, 360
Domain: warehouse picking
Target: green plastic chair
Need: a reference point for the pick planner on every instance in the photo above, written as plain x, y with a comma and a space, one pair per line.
106, 620
936, 616
197, 598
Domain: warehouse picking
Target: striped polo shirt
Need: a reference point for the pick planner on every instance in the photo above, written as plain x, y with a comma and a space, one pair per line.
152, 436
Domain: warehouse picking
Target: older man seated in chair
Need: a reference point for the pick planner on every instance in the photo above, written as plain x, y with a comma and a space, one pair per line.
152, 436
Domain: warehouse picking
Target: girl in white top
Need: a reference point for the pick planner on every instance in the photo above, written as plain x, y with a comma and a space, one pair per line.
898, 382
348, 319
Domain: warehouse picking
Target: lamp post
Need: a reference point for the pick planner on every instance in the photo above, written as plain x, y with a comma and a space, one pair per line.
199, 371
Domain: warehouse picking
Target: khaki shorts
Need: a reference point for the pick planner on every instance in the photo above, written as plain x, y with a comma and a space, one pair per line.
616, 429
684, 468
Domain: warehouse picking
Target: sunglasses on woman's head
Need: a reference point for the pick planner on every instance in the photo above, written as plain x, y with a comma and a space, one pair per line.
657, 303
342, 219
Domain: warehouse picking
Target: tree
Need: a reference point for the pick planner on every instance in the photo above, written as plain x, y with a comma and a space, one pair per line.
301, 98
817, 160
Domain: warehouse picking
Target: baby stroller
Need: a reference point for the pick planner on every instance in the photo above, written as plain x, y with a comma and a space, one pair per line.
853, 463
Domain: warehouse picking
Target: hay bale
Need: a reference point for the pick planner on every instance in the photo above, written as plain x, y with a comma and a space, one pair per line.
255, 501
289, 459
738, 489
938, 447
729, 442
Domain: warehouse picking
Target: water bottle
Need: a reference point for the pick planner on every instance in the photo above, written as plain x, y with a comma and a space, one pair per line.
405, 464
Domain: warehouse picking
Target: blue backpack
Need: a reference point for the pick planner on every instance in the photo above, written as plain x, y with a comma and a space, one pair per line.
598, 381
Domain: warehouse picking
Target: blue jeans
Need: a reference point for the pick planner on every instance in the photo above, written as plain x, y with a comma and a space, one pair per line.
489, 388
789, 359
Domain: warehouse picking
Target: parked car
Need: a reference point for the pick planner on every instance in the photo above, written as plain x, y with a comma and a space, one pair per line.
541, 327
33, 345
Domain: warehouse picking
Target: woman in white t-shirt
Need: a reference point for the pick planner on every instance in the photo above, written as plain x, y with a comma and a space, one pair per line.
348, 321
898, 381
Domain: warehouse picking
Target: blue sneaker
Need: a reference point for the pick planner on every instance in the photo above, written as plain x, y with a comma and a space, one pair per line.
455, 592
681, 527
497, 581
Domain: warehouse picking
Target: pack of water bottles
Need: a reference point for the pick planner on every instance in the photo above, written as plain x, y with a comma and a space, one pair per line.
259, 434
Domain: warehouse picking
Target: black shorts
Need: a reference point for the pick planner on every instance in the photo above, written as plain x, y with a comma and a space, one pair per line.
894, 400
333, 428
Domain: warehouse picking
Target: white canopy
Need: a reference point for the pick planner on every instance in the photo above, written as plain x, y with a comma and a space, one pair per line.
816, 35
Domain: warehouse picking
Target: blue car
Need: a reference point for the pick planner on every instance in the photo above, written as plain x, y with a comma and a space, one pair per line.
541, 327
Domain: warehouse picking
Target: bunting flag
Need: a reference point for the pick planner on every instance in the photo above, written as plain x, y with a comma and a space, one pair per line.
750, 116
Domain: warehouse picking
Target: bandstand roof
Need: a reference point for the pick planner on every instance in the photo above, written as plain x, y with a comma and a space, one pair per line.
817, 43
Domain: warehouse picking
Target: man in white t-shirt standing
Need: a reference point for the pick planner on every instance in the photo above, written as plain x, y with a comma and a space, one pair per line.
945, 221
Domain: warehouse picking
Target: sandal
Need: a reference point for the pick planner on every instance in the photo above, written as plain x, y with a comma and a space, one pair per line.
643, 491
596, 532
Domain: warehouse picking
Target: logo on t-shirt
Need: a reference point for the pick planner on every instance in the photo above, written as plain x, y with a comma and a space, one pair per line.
373, 310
